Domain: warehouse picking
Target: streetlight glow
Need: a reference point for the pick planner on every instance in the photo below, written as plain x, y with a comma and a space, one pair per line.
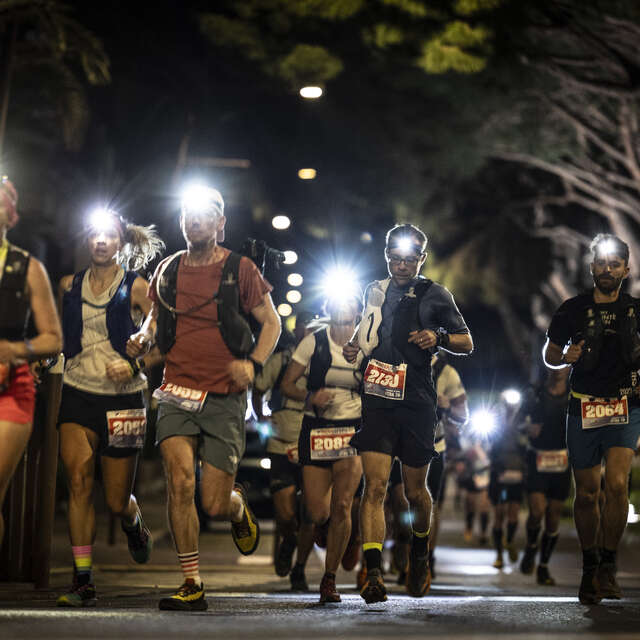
290, 257
285, 309
311, 92
307, 174
294, 296
281, 222
295, 279
512, 396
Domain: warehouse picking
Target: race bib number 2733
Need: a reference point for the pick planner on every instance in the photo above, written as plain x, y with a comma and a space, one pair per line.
385, 380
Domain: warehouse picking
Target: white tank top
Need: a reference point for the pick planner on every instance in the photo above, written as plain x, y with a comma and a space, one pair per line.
87, 370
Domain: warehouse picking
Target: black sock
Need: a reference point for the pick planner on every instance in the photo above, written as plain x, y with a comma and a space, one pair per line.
607, 556
590, 558
373, 559
419, 545
469, 518
532, 537
511, 531
497, 540
548, 544
484, 523
298, 568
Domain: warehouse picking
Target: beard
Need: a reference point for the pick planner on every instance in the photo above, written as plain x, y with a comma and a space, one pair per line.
607, 284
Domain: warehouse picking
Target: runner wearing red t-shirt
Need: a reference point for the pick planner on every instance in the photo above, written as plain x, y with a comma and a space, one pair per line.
208, 368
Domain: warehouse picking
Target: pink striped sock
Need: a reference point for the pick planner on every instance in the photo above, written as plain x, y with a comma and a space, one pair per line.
190, 563
82, 562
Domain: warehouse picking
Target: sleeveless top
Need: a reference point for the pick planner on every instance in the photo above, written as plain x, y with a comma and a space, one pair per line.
87, 370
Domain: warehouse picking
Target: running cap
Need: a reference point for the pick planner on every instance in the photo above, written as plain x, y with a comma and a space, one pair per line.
10, 198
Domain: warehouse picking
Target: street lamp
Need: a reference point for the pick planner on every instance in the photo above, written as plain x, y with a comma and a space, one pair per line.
281, 222
307, 174
294, 296
290, 257
311, 92
285, 309
295, 279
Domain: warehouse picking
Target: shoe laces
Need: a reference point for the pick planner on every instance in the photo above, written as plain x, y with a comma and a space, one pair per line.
187, 588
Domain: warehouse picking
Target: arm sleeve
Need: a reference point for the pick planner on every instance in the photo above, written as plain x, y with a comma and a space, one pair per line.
252, 285
304, 351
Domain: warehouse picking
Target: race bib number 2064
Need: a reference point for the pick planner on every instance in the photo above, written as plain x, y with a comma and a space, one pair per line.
385, 380
601, 413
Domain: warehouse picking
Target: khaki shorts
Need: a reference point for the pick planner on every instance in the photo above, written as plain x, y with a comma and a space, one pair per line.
219, 428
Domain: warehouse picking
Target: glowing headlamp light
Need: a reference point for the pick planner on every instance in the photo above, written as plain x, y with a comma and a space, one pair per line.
198, 198
406, 244
607, 247
104, 220
512, 397
483, 422
340, 285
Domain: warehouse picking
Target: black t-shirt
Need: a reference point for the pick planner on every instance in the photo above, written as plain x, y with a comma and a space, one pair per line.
612, 376
551, 412
506, 450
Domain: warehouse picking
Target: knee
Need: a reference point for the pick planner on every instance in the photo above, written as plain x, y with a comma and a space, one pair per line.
118, 504
217, 508
317, 512
80, 483
181, 485
341, 508
586, 497
374, 492
616, 488
418, 496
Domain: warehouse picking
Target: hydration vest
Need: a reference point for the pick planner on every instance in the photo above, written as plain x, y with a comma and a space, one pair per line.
277, 400
320, 360
120, 326
15, 308
234, 328
406, 318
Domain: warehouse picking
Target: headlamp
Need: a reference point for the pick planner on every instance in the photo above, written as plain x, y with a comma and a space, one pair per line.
512, 397
405, 244
340, 285
607, 247
483, 422
201, 199
104, 220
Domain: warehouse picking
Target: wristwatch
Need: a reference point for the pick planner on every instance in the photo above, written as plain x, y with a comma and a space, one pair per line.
442, 338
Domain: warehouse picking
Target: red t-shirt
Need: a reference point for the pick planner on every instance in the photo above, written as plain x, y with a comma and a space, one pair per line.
199, 359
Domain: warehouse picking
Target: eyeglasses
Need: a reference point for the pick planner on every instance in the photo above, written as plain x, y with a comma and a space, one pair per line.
410, 261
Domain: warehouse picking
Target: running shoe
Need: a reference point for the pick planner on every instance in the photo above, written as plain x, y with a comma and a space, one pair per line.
246, 533
361, 577
298, 579
139, 540
328, 591
79, 596
589, 592
544, 577
468, 535
528, 562
189, 597
609, 587
419, 576
373, 589
512, 550
432, 565
284, 557
498, 563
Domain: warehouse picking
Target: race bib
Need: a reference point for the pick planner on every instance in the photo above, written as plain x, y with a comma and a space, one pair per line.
385, 380
292, 454
183, 397
511, 476
127, 428
601, 412
481, 480
552, 461
331, 443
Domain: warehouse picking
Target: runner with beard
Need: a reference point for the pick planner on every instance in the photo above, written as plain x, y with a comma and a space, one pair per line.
596, 334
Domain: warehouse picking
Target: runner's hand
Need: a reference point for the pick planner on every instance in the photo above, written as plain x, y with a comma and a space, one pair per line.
241, 372
321, 398
7, 353
534, 429
119, 370
573, 353
138, 344
350, 351
424, 339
